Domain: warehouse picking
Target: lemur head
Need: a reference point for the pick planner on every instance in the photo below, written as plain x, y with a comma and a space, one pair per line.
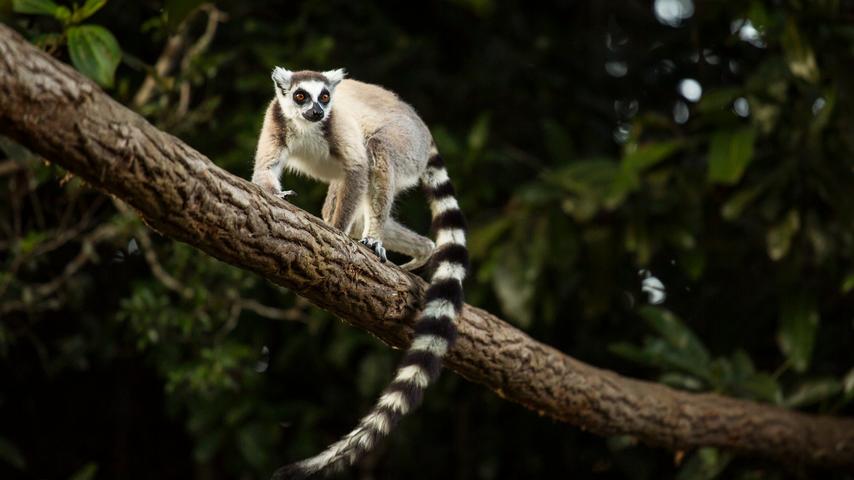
306, 95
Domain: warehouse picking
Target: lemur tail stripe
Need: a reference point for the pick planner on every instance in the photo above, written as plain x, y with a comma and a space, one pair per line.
434, 335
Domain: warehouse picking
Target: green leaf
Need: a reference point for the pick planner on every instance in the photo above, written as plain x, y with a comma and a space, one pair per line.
759, 386
681, 347
485, 236
35, 7
10, 454
88, 472
729, 154
30, 242
799, 321
87, 10
779, 237
479, 133
848, 283
800, 57
848, 384
48, 40
177, 10
681, 381
813, 391
718, 99
252, 440
632, 353
693, 263
588, 181
704, 464
63, 14
557, 141
736, 204
516, 274
95, 52
649, 155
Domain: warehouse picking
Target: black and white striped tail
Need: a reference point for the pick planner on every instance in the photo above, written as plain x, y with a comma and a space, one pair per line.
434, 335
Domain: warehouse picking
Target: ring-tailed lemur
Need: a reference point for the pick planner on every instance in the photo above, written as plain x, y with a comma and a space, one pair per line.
370, 147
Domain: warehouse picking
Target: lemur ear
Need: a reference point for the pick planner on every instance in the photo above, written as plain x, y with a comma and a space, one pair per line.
282, 77
335, 76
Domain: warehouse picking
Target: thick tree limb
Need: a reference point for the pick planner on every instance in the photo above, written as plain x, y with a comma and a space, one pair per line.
52, 109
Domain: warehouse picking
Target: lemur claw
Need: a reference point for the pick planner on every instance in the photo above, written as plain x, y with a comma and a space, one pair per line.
286, 193
376, 246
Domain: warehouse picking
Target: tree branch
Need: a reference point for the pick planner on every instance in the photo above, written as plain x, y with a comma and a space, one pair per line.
53, 110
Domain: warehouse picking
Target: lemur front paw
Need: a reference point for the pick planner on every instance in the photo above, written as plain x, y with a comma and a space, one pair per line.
286, 193
376, 246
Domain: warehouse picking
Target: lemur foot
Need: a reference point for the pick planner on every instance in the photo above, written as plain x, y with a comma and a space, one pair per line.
286, 193
376, 246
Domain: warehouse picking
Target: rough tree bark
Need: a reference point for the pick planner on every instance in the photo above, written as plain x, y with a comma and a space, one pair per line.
53, 110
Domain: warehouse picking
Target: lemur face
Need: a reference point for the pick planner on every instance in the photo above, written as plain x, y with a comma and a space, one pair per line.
306, 95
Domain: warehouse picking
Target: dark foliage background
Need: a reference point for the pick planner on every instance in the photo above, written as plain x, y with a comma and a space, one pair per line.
701, 238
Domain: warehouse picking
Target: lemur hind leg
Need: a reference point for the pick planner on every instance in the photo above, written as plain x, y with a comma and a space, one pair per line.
380, 194
348, 197
328, 210
400, 239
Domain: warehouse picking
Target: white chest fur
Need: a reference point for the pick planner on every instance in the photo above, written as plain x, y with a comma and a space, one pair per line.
308, 153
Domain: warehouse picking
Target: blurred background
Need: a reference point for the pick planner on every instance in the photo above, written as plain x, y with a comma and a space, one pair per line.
663, 188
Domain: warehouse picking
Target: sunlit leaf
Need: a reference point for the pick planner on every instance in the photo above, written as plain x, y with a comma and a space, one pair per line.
799, 320
31, 241
35, 7
779, 237
95, 52
799, 54
848, 384
729, 154
813, 391
764, 115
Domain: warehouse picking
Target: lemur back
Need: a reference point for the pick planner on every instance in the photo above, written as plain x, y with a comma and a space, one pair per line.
370, 146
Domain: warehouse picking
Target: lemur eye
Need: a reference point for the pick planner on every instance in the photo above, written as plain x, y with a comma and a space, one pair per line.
324, 97
299, 97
